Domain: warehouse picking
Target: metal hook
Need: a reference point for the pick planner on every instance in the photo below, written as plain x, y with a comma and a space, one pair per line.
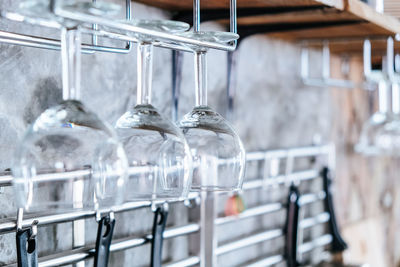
26, 242
338, 244
292, 223
105, 232
160, 220
326, 80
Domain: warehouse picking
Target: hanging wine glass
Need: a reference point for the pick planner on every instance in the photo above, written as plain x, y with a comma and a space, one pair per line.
152, 142
388, 136
69, 159
218, 153
373, 139
370, 142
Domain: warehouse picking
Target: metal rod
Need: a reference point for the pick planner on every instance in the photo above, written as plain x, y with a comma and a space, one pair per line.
7, 226
315, 243
6, 177
281, 179
269, 261
313, 221
308, 151
81, 254
86, 18
51, 44
249, 241
252, 212
233, 16
196, 15
192, 261
311, 198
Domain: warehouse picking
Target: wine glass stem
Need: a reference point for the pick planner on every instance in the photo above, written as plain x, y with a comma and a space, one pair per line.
144, 72
383, 96
71, 63
200, 64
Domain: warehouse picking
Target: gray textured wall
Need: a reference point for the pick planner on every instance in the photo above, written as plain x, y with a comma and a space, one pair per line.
273, 109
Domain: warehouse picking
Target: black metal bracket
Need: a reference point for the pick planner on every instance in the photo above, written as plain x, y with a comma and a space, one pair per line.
105, 232
291, 227
26, 240
160, 220
338, 244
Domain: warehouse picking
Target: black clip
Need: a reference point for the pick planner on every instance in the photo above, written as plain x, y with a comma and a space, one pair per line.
103, 242
160, 220
27, 255
338, 244
292, 222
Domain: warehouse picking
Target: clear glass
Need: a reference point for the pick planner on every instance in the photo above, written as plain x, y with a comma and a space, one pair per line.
40, 11
218, 153
388, 136
158, 154
69, 159
374, 139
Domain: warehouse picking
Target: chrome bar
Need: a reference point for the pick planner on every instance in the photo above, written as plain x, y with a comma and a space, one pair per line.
81, 254
192, 261
196, 15
233, 16
313, 221
249, 241
51, 44
269, 261
311, 198
161, 36
252, 212
6, 178
313, 244
7, 226
308, 151
281, 179
273, 207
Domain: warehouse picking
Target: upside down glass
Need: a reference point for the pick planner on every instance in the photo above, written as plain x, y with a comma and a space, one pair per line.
68, 159
218, 153
153, 143
373, 140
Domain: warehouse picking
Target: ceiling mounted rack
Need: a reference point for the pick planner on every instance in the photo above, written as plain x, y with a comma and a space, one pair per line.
116, 29
298, 20
55, 44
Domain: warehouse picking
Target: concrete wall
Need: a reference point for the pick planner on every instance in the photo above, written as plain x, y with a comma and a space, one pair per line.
273, 109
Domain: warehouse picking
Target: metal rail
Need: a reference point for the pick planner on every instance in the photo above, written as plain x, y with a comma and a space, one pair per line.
249, 241
8, 225
80, 254
85, 253
313, 244
54, 44
274, 207
269, 261
192, 261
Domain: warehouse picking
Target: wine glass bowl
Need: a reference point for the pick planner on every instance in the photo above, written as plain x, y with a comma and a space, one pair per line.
66, 146
157, 148
218, 153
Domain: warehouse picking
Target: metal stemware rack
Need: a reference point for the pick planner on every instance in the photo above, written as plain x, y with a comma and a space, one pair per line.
264, 169
118, 30
267, 171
